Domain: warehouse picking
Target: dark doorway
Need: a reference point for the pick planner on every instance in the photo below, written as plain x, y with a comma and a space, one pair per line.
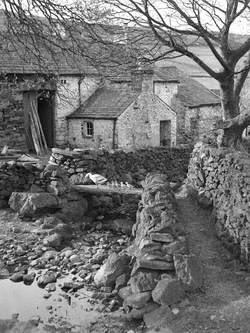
45, 106
165, 133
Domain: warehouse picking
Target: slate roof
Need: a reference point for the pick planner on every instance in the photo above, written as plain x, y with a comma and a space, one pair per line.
21, 61
190, 92
106, 103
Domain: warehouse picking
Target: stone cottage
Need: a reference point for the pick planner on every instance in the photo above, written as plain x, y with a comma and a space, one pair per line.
76, 107
153, 107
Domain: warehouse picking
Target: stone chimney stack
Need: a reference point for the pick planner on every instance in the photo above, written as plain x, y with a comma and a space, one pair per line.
142, 80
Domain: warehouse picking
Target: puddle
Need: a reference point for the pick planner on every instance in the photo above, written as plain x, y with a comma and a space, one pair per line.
28, 301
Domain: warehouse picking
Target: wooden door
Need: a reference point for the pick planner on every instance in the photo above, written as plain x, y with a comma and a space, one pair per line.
165, 133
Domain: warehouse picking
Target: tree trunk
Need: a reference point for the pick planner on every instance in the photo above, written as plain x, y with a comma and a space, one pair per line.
232, 130
233, 126
229, 102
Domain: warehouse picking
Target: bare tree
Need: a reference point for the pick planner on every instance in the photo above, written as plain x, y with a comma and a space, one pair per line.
177, 25
50, 33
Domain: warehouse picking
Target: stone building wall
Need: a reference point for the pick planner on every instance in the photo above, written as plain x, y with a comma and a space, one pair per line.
102, 137
206, 117
12, 131
139, 125
123, 166
71, 92
222, 178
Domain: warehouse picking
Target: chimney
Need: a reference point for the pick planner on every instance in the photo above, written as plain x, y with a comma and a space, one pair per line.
142, 80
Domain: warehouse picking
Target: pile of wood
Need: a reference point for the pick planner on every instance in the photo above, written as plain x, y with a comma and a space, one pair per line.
33, 128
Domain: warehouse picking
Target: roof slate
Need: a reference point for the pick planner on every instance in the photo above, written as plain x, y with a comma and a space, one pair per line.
105, 103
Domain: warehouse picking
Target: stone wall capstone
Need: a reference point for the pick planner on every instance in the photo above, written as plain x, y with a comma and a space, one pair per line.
222, 179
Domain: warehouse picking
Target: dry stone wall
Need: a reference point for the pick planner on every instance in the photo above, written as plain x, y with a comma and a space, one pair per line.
161, 269
131, 167
17, 177
222, 179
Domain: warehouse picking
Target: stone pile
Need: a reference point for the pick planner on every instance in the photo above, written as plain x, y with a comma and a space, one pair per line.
222, 180
161, 271
131, 167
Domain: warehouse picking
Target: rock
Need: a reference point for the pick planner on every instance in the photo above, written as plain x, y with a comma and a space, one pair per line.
137, 300
31, 204
115, 265
4, 273
159, 317
121, 225
161, 237
17, 277
125, 292
204, 201
179, 246
143, 280
189, 270
121, 281
51, 254
146, 261
50, 287
73, 206
29, 278
75, 259
54, 240
168, 291
49, 222
45, 279
138, 314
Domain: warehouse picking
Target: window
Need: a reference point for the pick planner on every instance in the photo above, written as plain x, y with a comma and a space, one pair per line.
87, 129
90, 128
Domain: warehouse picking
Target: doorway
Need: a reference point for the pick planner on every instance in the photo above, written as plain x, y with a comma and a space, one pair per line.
45, 108
165, 133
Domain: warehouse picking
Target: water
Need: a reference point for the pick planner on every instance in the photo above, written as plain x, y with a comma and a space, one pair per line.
28, 301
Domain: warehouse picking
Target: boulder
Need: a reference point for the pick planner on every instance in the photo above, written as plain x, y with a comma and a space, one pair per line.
115, 265
138, 300
189, 270
32, 204
168, 291
45, 279
144, 280
54, 240
125, 292
17, 277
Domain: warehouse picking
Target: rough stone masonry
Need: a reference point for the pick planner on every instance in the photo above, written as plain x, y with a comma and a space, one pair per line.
222, 179
157, 271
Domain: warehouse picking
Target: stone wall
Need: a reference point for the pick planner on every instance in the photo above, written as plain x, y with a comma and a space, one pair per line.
222, 178
12, 131
17, 177
161, 269
131, 167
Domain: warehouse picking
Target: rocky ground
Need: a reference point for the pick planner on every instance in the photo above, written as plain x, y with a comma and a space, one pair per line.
64, 268
33, 252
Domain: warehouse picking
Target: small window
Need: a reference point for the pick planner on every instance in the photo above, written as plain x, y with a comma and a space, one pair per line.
90, 128
63, 81
87, 129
